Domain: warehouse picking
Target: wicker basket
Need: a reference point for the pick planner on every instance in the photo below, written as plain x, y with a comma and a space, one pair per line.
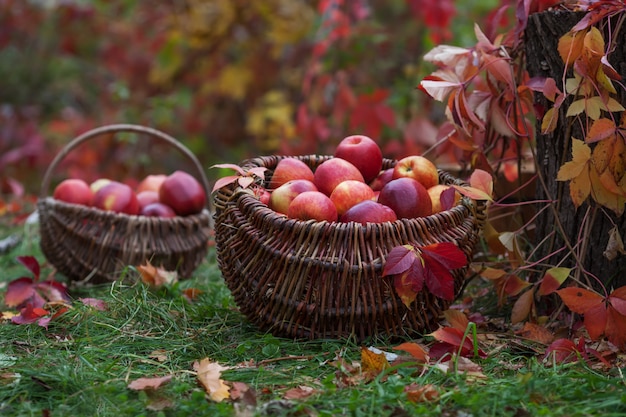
91, 245
308, 279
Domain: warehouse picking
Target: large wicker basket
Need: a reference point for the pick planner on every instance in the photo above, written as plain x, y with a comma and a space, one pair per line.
308, 279
91, 245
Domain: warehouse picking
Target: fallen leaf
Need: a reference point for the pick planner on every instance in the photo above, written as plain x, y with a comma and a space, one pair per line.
532, 331
95, 303
421, 393
414, 349
373, 363
149, 383
156, 277
208, 374
159, 355
299, 393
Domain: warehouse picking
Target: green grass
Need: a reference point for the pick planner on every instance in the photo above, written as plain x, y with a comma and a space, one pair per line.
82, 364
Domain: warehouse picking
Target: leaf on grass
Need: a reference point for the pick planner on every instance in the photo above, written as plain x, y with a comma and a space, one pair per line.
191, 294
421, 393
141, 384
155, 276
95, 303
453, 340
299, 393
372, 362
30, 314
462, 366
415, 350
208, 374
26, 290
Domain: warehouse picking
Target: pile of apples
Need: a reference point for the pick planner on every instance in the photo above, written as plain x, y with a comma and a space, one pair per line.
352, 186
157, 195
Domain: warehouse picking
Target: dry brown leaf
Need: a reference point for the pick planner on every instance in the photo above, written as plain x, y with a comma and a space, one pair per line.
155, 276
456, 318
372, 362
159, 355
536, 333
299, 392
421, 393
463, 366
149, 383
208, 374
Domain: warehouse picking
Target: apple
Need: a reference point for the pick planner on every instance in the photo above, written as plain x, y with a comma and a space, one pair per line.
418, 168
312, 205
118, 197
151, 183
442, 201
362, 152
183, 193
281, 198
157, 210
334, 171
381, 179
147, 197
263, 195
99, 183
289, 169
369, 211
406, 197
73, 190
349, 193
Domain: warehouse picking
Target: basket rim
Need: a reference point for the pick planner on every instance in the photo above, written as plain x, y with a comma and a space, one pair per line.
118, 128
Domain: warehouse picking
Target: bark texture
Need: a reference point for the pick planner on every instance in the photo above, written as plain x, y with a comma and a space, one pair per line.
543, 60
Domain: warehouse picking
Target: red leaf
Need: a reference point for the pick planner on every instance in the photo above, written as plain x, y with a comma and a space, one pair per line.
31, 263
616, 328
149, 383
482, 180
563, 351
52, 290
618, 300
29, 314
438, 278
399, 259
447, 254
404, 284
552, 280
95, 303
456, 318
19, 291
595, 320
454, 337
579, 300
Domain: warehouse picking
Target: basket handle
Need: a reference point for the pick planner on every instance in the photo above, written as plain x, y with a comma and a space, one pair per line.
115, 128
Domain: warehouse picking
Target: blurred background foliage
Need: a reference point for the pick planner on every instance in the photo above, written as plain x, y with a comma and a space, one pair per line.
230, 79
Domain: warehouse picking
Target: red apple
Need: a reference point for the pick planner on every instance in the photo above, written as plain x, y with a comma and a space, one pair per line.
157, 210
147, 197
151, 183
407, 198
312, 205
418, 168
369, 211
289, 169
118, 197
183, 193
449, 200
381, 179
362, 152
99, 183
349, 193
281, 198
73, 190
263, 195
334, 171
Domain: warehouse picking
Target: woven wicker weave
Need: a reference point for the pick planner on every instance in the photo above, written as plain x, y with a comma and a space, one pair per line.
308, 279
91, 245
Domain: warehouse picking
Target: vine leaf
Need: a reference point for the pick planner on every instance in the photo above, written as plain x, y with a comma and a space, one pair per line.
432, 265
577, 170
601, 315
480, 186
553, 279
244, 179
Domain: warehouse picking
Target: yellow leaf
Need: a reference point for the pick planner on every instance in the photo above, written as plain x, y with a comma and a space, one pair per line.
594, 43
580, 187
602, 154
549, 121
605, 81
372, 362
208, 374
234, 81
581, 153
576, 108
571, 46
604, 196
617, 164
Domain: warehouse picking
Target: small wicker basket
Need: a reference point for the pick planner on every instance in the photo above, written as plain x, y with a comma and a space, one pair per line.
91, 245
308, 279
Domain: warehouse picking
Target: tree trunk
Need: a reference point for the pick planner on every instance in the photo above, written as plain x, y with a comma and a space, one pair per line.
543, 60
